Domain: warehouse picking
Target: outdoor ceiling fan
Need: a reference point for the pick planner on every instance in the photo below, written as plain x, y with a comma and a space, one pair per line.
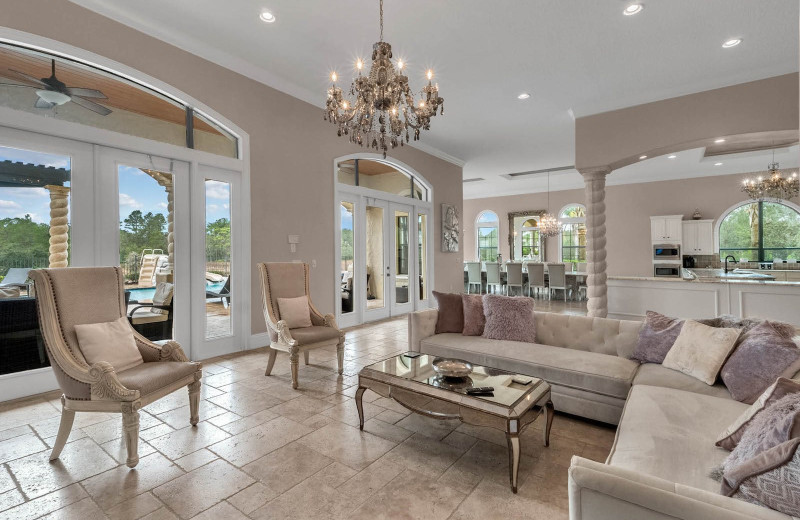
52, 92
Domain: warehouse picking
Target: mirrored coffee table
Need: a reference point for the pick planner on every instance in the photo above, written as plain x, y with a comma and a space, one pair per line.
413, 383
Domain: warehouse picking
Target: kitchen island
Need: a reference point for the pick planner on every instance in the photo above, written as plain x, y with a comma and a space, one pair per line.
630, 297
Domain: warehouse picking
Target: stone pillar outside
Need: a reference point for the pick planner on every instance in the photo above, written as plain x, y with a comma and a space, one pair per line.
59, 227
597, 289
166, 180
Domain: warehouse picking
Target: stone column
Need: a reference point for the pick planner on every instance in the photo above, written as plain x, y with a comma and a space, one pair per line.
165, 180
59, 227
597, 290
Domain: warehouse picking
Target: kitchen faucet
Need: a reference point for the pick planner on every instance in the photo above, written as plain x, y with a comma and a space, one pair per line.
726, 262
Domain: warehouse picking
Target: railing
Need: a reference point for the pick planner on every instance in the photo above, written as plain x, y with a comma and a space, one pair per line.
9, 262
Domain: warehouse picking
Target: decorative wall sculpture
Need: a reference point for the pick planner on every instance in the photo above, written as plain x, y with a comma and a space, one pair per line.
451, 230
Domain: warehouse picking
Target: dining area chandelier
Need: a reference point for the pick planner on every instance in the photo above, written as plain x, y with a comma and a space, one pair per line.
773, 186
379, 109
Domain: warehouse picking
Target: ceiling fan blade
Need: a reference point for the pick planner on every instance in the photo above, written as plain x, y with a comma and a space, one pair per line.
91, 105
16, 85
41, 103
86, 92
29, 77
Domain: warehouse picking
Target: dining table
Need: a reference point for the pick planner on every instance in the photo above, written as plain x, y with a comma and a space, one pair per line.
573, 277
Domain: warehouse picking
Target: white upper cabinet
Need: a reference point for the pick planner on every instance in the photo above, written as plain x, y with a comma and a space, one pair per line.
698, 237
666, 229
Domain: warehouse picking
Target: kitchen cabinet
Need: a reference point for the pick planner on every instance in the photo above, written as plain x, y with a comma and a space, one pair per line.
666, 229
698, 237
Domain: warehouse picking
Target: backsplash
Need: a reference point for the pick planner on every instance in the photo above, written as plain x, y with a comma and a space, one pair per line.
713, 261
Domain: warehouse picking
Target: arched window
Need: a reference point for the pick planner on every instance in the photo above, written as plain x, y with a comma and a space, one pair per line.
573, 233
488, 236
760, 231
530, 239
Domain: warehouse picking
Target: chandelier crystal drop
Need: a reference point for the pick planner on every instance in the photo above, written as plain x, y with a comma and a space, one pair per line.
549, 225
380, 111
774, 186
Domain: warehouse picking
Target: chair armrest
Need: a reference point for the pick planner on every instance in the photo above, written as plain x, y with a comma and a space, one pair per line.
602, 492
148, 306
105, 385
421, 325
153, 352
284, 334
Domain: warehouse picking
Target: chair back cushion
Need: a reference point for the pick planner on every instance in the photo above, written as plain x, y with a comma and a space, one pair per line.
295, 312
282, 280
474, 272
514, 273
111, 342
163, 296
557, 273
492, 272
536, 274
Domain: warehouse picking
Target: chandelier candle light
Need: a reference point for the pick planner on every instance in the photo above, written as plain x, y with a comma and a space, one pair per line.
383, 108
774, 186
549, 225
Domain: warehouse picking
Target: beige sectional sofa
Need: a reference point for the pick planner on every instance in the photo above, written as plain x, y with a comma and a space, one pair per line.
664, 452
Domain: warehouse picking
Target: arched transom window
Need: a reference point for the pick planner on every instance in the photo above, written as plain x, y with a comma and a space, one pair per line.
761, 231
573, 233
488, 236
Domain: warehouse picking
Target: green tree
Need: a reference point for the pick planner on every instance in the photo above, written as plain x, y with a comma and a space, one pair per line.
218, 239
23, 243
142, 231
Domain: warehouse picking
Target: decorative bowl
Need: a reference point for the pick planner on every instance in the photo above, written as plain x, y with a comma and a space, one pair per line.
452, 367
454, 384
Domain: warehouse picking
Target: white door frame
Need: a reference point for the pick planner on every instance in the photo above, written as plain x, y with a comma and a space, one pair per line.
397, 308
352, 318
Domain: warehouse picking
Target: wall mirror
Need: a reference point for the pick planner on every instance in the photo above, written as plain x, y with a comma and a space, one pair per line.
524, 240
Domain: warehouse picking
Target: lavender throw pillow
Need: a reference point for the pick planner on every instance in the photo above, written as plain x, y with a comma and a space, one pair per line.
509, 318
656, 337
474, 319
763, 355
451, 312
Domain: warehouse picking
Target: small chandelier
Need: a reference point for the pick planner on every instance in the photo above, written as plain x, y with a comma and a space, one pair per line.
774, 186
383, 109
549, 226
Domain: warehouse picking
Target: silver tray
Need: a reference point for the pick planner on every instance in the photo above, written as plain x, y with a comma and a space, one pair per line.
452, 367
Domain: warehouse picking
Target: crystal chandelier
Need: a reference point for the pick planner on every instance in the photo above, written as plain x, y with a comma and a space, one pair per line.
549, 225
774, 186
383, 108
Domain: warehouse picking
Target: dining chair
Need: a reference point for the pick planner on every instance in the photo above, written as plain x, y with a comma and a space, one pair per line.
536, 277
493, 279
581, 267
514, 277
474, 276
557, 279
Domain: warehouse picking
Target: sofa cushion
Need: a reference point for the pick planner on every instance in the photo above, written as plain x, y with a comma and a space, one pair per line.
509, 318
658, 375
474, 320
598, 373
670, 434
700, 350
451, 312
601, 335
656, 337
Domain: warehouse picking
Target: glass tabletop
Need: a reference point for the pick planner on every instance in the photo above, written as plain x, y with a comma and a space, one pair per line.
420, 369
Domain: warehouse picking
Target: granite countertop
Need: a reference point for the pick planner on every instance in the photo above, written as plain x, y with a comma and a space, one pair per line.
688, 279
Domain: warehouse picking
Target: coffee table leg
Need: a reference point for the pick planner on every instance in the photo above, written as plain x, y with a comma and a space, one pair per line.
549, 413
513, 459
360, 406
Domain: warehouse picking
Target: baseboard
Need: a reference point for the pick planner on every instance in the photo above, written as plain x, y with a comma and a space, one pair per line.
258, 340
29, 382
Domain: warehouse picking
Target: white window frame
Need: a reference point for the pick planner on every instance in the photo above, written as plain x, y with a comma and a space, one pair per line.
568, 220
479, 225
738, 205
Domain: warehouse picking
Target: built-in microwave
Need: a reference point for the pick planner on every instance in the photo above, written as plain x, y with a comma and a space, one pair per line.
667, 252
667, 270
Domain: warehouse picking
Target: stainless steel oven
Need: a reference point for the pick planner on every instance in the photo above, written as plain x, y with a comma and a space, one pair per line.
667, 270
669, 252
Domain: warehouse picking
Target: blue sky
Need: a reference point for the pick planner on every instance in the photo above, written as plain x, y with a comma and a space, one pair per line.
136, 191
347, 218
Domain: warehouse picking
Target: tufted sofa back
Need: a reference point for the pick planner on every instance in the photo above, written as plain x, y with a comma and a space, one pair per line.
600, 335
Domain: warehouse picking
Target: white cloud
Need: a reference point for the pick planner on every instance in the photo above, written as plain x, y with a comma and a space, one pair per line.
128, 201
163, 205
9, 205
212, 208
218, 190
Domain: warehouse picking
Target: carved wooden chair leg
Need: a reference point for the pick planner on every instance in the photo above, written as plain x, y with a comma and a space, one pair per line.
67, 418
294, 359
305, 356
130, 427
272, 354
194, 403
340, 357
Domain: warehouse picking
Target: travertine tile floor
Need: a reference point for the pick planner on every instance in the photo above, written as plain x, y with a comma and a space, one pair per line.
263, 450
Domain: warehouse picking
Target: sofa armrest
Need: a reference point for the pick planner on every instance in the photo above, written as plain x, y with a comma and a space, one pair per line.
421, 325
602, 492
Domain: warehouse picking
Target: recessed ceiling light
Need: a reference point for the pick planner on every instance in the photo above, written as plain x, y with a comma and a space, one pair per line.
524, 95
642, 157
633, 9
717, 164
720, 140
672, 157
733, 42
266, 16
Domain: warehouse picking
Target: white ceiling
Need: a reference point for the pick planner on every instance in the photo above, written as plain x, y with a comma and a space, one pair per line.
575, 57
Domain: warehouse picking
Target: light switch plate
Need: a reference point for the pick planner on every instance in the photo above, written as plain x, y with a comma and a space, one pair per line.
294, 239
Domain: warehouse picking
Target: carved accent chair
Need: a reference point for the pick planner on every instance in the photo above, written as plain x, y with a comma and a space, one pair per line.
68, 297
290, 280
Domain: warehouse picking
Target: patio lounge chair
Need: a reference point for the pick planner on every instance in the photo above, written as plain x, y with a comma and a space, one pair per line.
154, 320
224, 294
16, 277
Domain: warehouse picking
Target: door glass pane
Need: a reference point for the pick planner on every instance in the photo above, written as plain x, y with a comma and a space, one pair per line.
375, 263
401, 256
146, 248
380, 176
422, 229
34, 233
218, 259
347, 266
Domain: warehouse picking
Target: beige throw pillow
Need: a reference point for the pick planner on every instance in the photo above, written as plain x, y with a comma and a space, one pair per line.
295, 312
700, 350
111, 342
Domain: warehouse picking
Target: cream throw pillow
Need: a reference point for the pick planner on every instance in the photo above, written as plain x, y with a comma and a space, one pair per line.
700, 350
295, 312
111, 342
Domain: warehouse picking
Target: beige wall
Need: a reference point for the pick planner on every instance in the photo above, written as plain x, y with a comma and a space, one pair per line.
628, 211
292, 148
619, 137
